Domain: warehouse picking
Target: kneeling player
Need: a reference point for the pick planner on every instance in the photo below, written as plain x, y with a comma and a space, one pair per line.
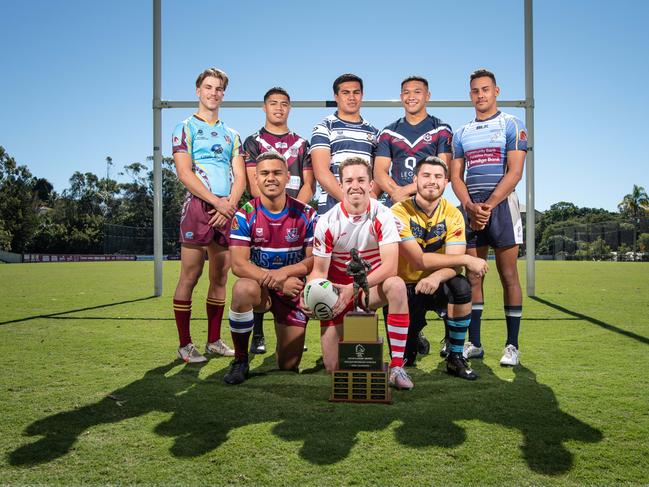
431, 251
364, 224
271, 239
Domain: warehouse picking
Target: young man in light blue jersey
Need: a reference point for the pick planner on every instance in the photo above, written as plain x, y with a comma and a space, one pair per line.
491, 148
209, 163
340, 136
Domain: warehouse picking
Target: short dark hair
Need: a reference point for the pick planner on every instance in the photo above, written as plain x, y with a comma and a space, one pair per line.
217, 73
270, 155
415, 78
344, 78
481, 73
276, 90
433, 161
354, 161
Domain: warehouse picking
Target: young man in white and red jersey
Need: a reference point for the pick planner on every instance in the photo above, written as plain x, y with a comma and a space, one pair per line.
209, 164
270, 245
276, 136
362, 223
491, 148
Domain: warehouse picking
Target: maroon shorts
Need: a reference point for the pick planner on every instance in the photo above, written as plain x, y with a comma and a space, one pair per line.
194, 226
287, 310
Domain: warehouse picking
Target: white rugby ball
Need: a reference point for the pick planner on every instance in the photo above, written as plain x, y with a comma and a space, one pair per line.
320, 296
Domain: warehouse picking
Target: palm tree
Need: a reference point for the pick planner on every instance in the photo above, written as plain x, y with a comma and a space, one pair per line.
635, 204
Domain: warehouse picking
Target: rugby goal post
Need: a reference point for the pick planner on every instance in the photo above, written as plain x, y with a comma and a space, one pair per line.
159, 105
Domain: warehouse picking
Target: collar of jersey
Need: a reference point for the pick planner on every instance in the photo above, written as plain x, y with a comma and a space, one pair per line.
270, 214
279, 136
495, 115
346, 213
205, 121
421, 210
362, 121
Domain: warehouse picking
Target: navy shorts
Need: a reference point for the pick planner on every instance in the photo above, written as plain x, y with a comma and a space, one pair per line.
504, 228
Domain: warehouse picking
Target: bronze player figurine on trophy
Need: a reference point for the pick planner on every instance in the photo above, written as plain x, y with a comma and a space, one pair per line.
357, 268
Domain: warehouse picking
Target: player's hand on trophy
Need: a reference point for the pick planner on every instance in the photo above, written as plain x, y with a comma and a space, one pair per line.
345, 296
292, 287
224, 207
274, 279
305, 309
427, 285
476, 265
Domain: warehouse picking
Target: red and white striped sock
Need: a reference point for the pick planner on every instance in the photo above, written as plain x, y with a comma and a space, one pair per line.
397, 334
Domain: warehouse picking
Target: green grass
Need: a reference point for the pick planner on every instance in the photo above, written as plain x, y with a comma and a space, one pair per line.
90, 392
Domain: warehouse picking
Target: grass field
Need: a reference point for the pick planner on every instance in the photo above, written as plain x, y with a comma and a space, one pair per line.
90, 392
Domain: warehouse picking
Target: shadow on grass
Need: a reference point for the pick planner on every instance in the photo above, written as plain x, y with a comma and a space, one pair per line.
60, 313
592, 320
205, 412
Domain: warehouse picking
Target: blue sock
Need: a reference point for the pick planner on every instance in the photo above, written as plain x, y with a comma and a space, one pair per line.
457, 332
513, 319
474, 327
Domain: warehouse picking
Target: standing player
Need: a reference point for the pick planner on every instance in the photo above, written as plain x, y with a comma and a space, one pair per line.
361, 223
401, 144
270, 245
492, 149
275, 136
339, 136
432, 249
207, 157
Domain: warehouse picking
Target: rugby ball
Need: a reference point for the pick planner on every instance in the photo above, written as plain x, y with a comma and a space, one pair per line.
320, 296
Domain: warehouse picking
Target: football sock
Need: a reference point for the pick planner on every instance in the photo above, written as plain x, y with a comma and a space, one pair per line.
474, 327
258, 329
457, 331
241, 325
214, 309
183, 314
513, 318
397, 334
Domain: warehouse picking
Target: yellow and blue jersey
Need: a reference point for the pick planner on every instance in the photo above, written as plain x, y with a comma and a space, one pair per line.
444, 227
212, 148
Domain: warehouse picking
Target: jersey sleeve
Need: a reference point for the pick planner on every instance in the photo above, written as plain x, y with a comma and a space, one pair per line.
445, 141
455, 228
385, 228
321, 137
402, 220
516, 135
250, 151
239, 228
458, 150
312, 220
181, 140
383, 147
236, 144
323, 243
305, 157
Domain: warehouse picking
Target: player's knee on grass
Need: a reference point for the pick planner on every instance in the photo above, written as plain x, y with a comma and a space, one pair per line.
458, 290
246, 293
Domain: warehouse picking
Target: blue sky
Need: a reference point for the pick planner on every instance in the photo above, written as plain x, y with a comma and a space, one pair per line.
77, 81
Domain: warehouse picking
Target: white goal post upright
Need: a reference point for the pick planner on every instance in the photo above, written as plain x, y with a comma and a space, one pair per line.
159, 105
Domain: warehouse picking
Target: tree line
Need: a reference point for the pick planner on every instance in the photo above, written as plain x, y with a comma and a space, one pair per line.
35, 218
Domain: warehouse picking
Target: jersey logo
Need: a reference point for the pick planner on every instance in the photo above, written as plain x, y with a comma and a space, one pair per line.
217, 149
189, 234
522, 135
259, 231
291, 235
235, 224
316, 242
281, 145
439, 229
214, 134
227, 139
428, 137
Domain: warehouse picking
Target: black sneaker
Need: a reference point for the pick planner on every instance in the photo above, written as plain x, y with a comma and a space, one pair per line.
445, 348
457, 365
258, 345
238, 372
423, 345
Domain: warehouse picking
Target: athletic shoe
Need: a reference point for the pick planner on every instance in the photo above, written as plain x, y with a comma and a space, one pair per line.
238, 372
471, 351
446, 347
190, 354
400, 379
510, 356
305, 348
258, 345
219, 347
457, 365
423, 345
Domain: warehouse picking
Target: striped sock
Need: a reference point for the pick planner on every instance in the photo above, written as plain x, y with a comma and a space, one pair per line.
397, 334
258, 330
241, 325
183, 314
457, 331
513, 318
474, 327
214, 309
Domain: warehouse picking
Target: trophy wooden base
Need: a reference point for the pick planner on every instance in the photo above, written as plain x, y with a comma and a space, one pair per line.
361, 386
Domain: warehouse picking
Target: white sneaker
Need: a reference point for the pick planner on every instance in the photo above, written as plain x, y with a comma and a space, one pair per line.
400, 379
190, 354
471, 351
219, 347
510, 356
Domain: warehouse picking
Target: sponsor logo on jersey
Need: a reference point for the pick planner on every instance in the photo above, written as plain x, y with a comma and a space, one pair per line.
235, 223
200, 132
176, 140
370, 137
291, 234
281, 145
189, 234
428, 137
522, 135
277, 260
259, 232
479, 127
439, 230
293, 152
217, 148
214, 134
